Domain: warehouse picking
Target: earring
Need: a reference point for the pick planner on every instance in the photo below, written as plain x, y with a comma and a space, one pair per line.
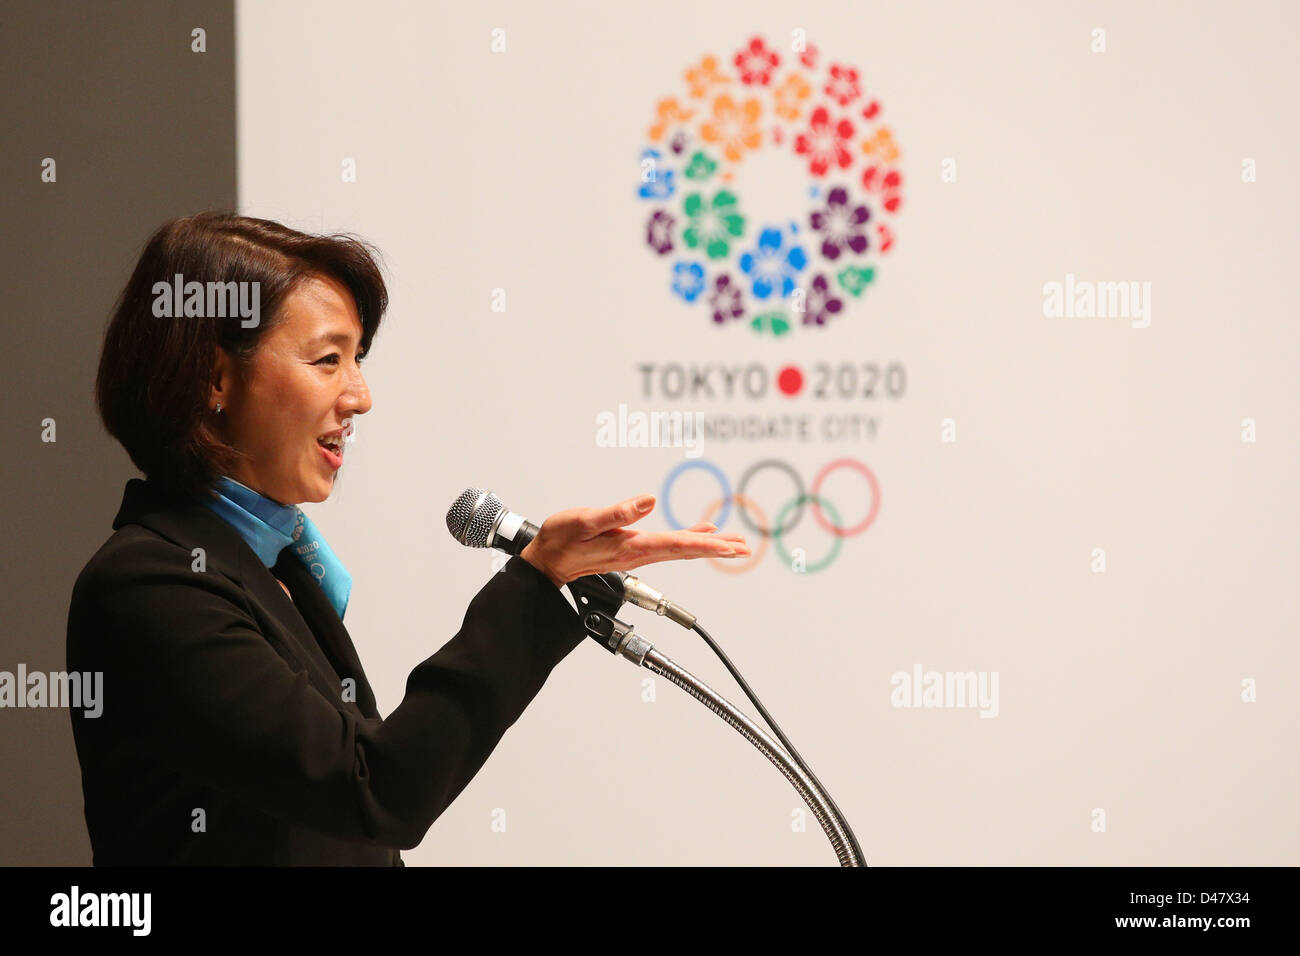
218, 408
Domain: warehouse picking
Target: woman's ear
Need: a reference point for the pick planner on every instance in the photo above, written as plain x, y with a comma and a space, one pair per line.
223, 371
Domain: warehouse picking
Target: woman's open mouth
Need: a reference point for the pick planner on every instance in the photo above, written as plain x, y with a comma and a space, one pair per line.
331, 446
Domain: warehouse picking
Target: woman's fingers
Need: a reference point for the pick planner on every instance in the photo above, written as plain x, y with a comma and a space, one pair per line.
623, 513
658, 557
667, 545
598, 540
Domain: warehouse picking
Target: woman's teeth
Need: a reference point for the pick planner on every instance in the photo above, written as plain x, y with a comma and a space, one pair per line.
333, 442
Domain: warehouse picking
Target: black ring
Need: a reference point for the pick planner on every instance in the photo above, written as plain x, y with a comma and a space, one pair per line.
744, 480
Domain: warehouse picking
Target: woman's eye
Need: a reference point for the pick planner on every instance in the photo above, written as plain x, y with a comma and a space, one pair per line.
333, 359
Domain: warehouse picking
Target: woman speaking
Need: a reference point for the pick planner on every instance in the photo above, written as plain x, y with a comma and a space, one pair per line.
238, 725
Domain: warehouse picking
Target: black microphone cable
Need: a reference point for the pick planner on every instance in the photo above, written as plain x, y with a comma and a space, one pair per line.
753, 699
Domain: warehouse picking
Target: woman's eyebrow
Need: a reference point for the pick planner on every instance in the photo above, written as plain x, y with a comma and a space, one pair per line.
340, 337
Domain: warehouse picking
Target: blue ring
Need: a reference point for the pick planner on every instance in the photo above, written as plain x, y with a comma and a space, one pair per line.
707, 466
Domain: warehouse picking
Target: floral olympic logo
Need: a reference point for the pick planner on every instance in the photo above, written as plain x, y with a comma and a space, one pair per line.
787, 516
771, 275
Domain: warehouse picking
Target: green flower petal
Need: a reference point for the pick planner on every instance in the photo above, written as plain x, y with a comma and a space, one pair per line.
701, 167
717, 248
854, 279
735, 224
692, 236
693, 204
724, 199
772, 322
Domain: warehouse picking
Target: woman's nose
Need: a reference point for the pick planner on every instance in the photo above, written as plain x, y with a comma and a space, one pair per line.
357, 395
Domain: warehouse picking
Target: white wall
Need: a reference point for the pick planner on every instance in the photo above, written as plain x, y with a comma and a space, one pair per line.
479, 170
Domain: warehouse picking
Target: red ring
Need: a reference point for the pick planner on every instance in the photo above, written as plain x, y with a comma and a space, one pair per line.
875, 497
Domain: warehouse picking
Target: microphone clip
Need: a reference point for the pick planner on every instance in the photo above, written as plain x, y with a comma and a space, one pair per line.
599, 598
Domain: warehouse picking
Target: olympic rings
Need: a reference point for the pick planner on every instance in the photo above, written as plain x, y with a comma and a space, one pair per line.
726, 565
862, 525
799, 493
686, 466
835, 548
744, 503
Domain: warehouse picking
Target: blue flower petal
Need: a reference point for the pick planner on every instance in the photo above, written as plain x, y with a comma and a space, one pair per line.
770, 240
688, 281
662, 188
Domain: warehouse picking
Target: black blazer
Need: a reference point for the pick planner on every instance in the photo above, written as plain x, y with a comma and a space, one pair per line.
221, 694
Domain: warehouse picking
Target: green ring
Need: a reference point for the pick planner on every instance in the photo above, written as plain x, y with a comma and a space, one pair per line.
795, 502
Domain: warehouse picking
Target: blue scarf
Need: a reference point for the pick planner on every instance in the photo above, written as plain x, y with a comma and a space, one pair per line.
270, 527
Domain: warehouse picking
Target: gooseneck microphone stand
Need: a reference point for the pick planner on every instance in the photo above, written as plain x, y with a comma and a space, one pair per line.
600, 596
479, 519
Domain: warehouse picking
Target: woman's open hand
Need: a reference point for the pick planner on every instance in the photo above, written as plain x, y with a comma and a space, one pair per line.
581, 541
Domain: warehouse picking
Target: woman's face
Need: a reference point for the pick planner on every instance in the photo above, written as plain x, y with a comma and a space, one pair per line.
303, 384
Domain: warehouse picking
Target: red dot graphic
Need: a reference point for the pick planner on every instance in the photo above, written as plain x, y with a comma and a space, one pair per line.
790, 380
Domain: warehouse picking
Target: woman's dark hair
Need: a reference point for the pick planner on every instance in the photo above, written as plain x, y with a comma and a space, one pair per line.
155, 372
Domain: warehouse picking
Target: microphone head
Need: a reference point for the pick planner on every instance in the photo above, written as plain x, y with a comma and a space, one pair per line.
473, 517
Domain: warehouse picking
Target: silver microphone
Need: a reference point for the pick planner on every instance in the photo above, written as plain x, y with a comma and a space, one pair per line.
479, 519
